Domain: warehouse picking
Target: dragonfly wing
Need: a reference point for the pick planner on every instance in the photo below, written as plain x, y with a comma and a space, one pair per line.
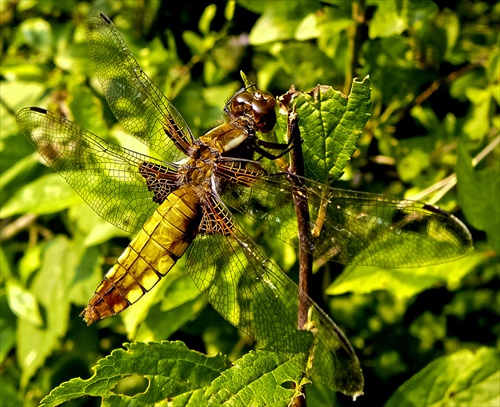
355, 227
377, 230
142, 109
254, 295
105, 175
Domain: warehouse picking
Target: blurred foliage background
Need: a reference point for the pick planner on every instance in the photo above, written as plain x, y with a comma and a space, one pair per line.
434, 69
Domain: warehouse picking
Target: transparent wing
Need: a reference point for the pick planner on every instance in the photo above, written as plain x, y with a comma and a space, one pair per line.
355, 227
142, 109
257, 297
105, 175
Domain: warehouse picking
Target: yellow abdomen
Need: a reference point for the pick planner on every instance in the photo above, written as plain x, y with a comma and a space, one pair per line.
150, 255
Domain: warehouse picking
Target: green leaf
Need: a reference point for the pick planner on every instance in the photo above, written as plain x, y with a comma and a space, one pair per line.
47, 194
279, 20
403, 282
74, 58
5, 266
88, 275
175, 301
18, 94
258, 379
36, 33
306, 65
392, 17
387, 20
229, 10
429, 329
193, 41
463, 379
221, 61
331, 124
12, 177
479, 195
170, 367
478, 123
50, 288
13, 68
186, 378
450, 23
10, 394
493, 67
7, 334
412, 164
94, 229
206, 19
86, 107
23, 304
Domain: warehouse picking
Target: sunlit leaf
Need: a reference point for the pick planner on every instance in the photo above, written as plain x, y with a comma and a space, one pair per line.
23, 304
50, 288
478, 123
186, 378
258, 378
7, 334
464, 378
280, 20
479, 194
37, 34
95, 229
171, 369
174, 302
48, 194
402, 282
331, 124
206, 19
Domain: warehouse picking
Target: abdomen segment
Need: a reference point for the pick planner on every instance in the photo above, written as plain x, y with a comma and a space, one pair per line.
150, 255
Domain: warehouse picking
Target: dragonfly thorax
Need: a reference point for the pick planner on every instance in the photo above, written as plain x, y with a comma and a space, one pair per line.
226, 140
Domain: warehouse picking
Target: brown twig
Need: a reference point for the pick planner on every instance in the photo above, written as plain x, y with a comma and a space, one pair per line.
18, 225
302, 213
434, 86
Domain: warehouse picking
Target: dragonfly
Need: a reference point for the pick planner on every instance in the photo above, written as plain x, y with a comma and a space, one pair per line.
181, 200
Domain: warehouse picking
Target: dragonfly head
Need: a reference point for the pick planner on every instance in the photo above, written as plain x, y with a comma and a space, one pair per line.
255, 108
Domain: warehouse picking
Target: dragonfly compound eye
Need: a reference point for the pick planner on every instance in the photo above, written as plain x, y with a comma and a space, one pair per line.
264, 113
256, 107
241, 103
